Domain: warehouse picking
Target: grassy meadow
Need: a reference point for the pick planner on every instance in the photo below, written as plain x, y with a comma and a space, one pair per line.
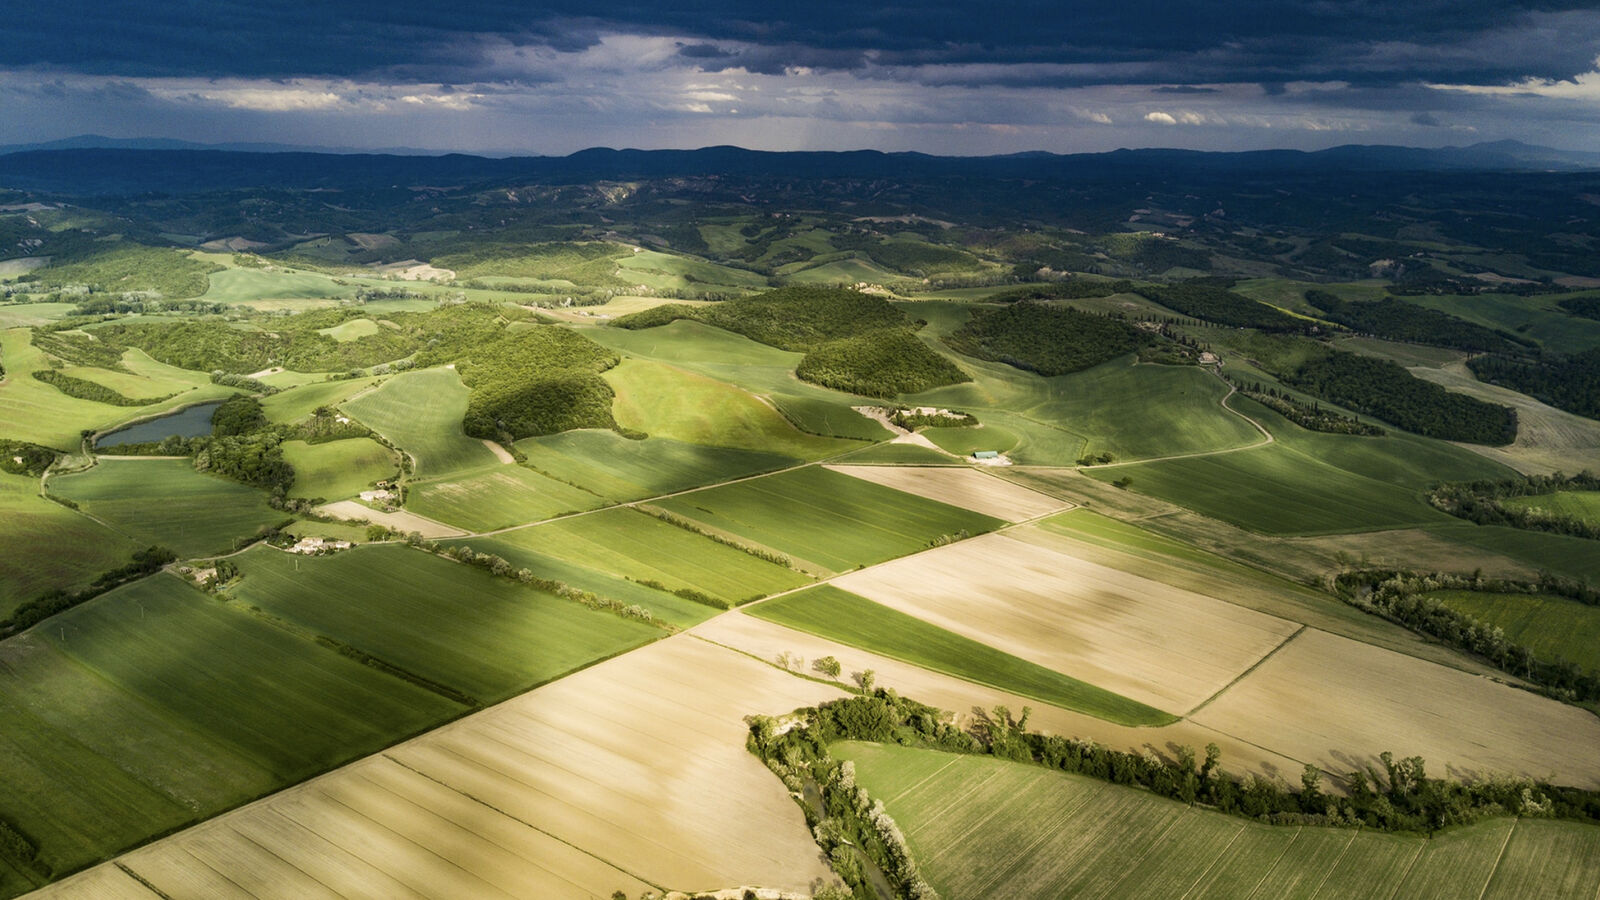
621, 469
291, 406
1552, 627
1581, 505
166, 502
338, 469
825, 518
829, 612
49, 546
420, 412
983, 827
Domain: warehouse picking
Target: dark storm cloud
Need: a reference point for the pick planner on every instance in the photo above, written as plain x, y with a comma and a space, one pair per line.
1045, 43
1182, 89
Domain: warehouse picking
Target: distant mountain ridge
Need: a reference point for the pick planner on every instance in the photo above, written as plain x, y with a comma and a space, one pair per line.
75, 167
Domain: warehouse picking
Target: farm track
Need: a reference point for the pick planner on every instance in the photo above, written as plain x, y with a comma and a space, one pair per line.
1266, 438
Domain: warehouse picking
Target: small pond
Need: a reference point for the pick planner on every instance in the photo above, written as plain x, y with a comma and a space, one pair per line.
193, 421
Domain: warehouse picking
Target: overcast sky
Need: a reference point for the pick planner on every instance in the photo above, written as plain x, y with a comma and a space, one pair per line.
940, 76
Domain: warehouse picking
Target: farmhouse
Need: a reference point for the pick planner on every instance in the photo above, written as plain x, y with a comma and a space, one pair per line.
314, 545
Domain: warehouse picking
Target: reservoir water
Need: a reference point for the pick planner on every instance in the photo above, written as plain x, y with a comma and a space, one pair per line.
193, 421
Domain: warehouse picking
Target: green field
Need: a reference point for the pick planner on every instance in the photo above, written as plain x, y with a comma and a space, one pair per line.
351, 330
420, 412
829, 417
827, 519
31, 410
891, 454
1552, 627
155, 705
1276, 490
983, 827
452, 624
841, 616
963, 441
630, 544
290, 406
1562, 554
1583, 505
338, 469
145, 378
48, 546
1536, 317
591, 577
166, 502
499, 497
251, 285
665, 401
620, 469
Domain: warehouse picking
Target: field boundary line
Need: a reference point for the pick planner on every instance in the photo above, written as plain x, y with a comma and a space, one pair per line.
1342, 854
929, 777
524, 823
1281, 854
1246, 673
1214, 862
141, 879
1500, 858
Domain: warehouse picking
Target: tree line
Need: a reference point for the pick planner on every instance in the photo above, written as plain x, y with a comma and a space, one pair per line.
1480, 502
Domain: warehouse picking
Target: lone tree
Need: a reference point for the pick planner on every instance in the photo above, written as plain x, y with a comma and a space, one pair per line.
828, 666
866, 678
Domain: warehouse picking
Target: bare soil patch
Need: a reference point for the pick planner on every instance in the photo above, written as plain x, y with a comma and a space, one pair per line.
499, 452
1161, 645
399, 521
967, 488
1337, 703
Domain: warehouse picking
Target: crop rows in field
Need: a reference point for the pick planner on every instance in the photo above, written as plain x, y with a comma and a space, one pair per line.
167, 502
981, 827
498, 497
827, 519
420, 412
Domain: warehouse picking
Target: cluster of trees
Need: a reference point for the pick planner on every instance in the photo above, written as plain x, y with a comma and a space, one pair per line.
1571, 382
922, 259
880, 363
228, 379
83, 389
125, 266
32, 612
63, 341
911, 420
1384, 389
1211, 299
1479, 501
1585, 307
1397, 320
1402, 597
24, 458
1310, 416
1071, 289
135, 302
1047, 339
17, 847
538, 380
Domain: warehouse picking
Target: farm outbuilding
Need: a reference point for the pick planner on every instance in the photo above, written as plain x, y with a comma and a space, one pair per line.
986, 454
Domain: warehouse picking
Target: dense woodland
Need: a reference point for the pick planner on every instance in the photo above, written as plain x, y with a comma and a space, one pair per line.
1480, 502
1050, 340
1396, 320
1385, 390
1571, 382
1212, 300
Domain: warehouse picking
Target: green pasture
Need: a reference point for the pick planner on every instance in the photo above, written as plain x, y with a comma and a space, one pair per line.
351, 330
144, 378
620, 469
964, 441
498, 497
1536, 317
452, 624
1582, 505
31, 410
338, 469
982, 827
630, 544
249, 286
27, 315
818, 415
667, 271
155, 705
590, 575
1552, 627
665, 401
296, 403
827, 519
48, 546
838, 615
1562, 554
420, 412
889, 454
166, 502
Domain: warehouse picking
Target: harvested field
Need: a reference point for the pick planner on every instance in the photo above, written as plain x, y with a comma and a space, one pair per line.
963, 487
1160, 645
1337, 703
629, 775
399, 521
765, 640
1548, 439
982, 827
